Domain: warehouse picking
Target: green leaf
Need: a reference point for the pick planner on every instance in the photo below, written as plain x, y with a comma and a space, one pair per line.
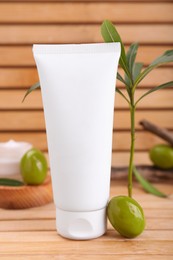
10, 182
119, 92
33, 87
127, 81
110, 34
163, 59
137, 70
165, 85
120, 78
131, 56
146, 185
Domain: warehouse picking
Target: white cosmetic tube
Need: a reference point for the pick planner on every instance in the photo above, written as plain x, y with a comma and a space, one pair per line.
78, 90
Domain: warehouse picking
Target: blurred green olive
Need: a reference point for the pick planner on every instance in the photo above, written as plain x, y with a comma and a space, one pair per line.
126, 216
162, 156
33, 167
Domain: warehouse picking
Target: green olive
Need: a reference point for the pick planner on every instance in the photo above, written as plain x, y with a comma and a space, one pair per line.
33, 166
126, 216
162, 156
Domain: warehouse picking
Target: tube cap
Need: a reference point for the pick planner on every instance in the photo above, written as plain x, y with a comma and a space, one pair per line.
81, 225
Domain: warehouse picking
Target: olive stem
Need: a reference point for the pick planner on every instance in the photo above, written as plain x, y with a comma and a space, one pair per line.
132, 146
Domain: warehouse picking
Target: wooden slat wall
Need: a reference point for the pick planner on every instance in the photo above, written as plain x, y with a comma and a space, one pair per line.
23, 23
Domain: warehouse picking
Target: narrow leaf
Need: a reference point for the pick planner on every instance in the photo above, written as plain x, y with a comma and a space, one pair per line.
118, 91
125, 81
10, 182
120, 78
163, 59
110, 34
33, 87
146, 185
165, 85
131, 56
137, 70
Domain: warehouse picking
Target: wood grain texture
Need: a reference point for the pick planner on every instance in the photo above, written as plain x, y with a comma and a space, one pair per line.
35, 236
11, 100
26, 77
85, 12
68, 247
31, 233
48, 224
29, 34
122, 158
49, 209
87, 1
76, 256
22, 55
144, 140
34, 120
26, 196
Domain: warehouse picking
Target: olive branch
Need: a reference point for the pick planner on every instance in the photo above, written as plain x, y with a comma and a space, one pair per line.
133, 75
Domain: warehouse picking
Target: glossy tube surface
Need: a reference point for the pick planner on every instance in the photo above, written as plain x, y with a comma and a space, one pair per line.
78, 90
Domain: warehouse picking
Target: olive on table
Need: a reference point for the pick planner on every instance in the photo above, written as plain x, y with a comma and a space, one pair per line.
126, 216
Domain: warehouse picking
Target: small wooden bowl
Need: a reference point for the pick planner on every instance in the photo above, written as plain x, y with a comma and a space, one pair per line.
26, 196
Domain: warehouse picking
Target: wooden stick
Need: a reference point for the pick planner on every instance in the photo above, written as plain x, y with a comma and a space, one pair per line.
161, 132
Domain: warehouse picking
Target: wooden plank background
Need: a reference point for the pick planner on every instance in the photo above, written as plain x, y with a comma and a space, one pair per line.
23, 23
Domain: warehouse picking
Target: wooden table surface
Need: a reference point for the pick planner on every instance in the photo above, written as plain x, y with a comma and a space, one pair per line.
31, 234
